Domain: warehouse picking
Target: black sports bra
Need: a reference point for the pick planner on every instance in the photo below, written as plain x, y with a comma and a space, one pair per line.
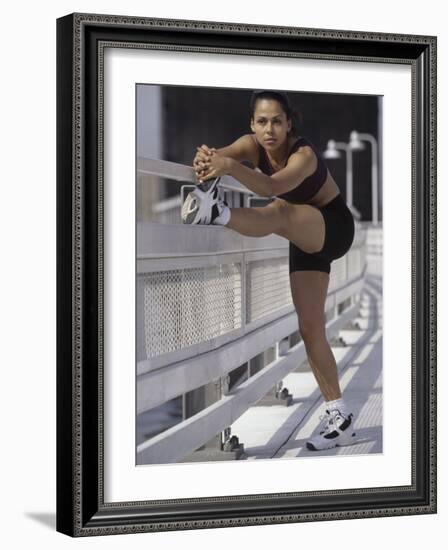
309, 186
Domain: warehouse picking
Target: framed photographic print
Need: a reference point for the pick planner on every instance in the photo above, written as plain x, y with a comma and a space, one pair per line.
246, 275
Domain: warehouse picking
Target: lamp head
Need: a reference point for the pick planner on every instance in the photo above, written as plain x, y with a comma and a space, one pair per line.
355, 143
331, 152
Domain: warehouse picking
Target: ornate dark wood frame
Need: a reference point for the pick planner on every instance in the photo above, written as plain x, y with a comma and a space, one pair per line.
81, 39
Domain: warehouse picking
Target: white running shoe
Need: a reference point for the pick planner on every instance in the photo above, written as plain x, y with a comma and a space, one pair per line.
337, 432
203, 205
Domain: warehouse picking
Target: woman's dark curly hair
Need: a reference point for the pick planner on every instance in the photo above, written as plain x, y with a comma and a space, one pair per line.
283, 99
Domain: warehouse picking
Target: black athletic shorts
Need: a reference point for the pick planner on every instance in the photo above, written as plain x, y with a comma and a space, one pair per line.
339, 235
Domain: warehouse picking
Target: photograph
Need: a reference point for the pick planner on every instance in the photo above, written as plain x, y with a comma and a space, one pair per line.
258, 274
246, 275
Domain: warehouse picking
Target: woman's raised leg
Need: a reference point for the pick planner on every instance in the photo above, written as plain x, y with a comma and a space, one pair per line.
301, 224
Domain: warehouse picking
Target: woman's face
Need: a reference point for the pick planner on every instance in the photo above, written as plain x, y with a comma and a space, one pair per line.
270, 124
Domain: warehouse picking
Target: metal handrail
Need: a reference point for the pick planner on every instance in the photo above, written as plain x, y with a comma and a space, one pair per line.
182, 173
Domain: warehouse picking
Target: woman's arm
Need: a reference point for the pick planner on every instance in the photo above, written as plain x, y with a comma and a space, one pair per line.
244, 148
300, 165
257, 182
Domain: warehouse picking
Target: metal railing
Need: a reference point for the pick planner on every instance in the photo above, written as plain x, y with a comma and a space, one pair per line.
374, 239
208, 301
168, 210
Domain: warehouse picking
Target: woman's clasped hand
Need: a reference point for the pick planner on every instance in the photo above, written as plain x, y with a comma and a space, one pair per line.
208, 164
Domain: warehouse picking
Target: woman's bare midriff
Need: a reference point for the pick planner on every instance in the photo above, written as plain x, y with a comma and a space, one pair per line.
326, 193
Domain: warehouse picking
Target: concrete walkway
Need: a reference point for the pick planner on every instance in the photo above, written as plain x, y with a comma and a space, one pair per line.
278, 431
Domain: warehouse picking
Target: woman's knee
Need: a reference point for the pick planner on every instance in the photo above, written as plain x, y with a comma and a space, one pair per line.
311, 327
276, 211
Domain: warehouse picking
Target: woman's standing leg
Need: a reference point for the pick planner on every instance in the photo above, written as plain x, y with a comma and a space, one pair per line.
309, 292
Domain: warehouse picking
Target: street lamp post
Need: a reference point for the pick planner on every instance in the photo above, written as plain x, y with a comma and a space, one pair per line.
356, 144
332, 152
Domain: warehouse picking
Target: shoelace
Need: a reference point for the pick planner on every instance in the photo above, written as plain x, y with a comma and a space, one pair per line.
328, 420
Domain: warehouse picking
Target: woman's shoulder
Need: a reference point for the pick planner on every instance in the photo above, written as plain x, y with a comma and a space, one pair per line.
305, 143
300, 145
297, 142
250, 141
302, 151
251, 147
243, 148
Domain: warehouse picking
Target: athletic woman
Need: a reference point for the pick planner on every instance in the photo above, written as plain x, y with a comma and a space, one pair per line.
307, 209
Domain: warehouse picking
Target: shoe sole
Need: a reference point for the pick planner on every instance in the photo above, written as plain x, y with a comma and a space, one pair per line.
191, 209
346, 442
